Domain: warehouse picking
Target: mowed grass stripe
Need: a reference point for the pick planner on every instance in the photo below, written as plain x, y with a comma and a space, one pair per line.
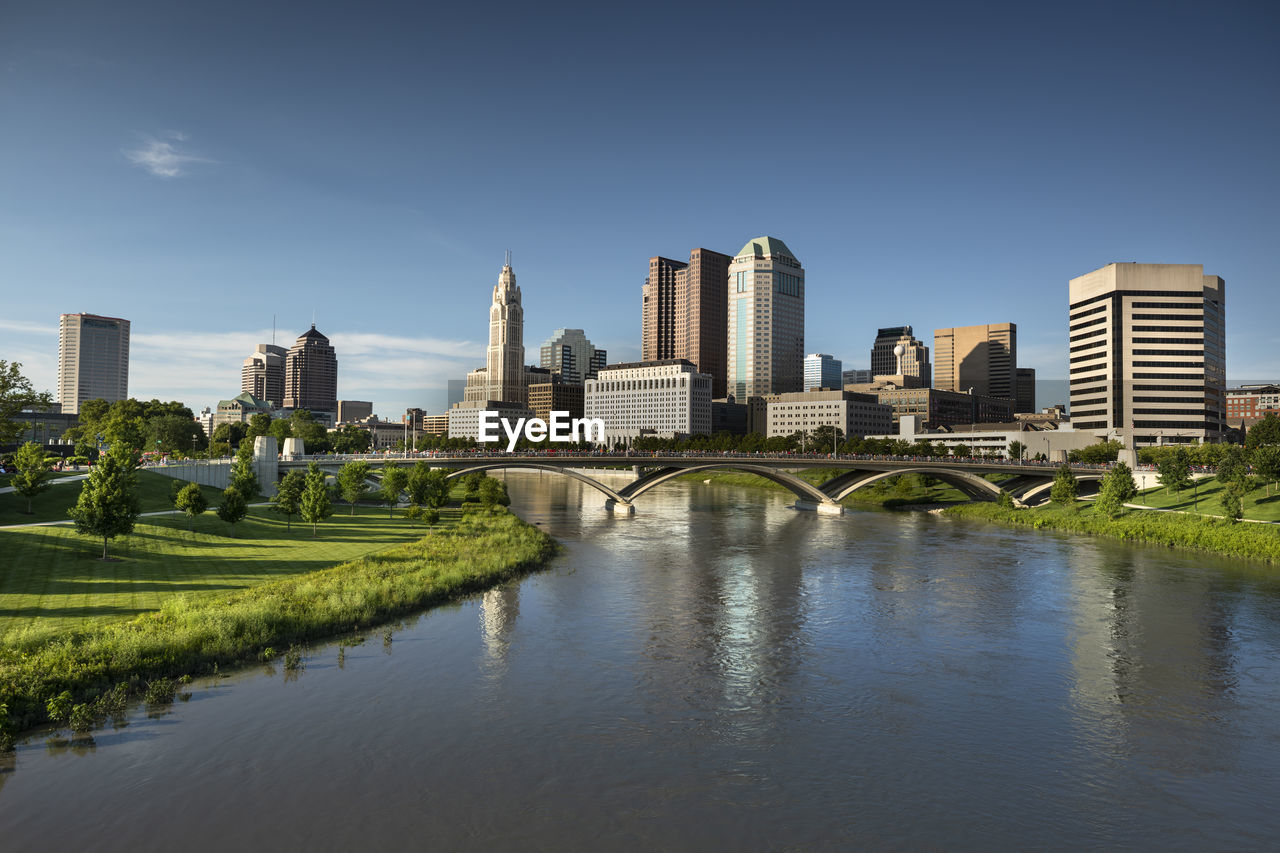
53, 580
52, 505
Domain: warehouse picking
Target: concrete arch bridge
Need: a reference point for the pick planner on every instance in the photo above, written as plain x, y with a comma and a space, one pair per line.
1028, 486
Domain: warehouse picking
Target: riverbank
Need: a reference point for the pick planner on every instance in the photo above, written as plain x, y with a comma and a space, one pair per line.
145, 657
1174, 530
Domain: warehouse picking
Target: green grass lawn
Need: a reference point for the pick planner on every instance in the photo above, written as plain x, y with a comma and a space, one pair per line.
52, 505
1205, 499
52, 578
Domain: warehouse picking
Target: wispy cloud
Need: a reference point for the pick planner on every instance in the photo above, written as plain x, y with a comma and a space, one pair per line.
162, 157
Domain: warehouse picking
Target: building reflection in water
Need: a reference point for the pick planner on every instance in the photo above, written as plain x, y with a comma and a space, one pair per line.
499, 609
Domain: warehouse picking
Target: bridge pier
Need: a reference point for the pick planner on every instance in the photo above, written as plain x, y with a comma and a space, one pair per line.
619, 507
822, 508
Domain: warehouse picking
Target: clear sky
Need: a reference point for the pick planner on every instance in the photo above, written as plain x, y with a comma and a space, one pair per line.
200, 167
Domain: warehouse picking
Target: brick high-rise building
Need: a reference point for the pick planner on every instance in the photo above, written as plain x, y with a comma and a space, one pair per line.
684, 313
1148, 353
93, 360
311, 375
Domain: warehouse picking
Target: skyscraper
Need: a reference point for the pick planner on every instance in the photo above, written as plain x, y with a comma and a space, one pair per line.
1147, 353
262, 374
983, 359
823, 371
766, 320
311, 375
912, 361
93, 360
684, 313
502, 379
569, 353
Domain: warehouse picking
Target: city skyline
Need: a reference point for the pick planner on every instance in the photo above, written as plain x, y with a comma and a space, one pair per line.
932, 185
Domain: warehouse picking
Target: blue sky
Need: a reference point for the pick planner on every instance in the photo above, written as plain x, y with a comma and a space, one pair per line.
198, 168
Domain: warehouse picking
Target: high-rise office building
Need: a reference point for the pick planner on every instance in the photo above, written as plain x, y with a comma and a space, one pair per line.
262, 375
979, 359
502, 378
823, 371
93, 360
855, 376
766, 320
570, 353
1148, 353
311, 375
1024, 395
684, 312
911, 360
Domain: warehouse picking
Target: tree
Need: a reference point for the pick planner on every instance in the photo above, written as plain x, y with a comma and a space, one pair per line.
259, 424
1265, 431
429, 516
16, 394
394, 480
1117, 488
1017, 450
1064, 488
314, 437
316, 504
108, 502
351, 439
244, 478
233, 507
1266, 464
494, 492
353, 481
288, 497
125, 433
1233, 465
232, 433
33, 472
175, 434
191, 500
1097, 454
427, 486
960, 450
1174, 470
280, 430
1232, 499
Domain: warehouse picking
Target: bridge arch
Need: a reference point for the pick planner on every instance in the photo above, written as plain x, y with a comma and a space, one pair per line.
802, 489
972, 485
1038, 493
609, 493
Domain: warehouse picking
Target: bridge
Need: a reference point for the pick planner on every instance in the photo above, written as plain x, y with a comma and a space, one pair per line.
1028, 484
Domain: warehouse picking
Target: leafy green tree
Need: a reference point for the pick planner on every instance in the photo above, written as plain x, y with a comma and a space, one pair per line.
1232, 499
244, 478
16, 394
1117, 489
1174, 470
1233, 465
33, 472
353, 481
494, 492
351, 439
280, 429
1065, 487
1097, 454
426, 515
108, 503
259, 424
233, 507
175, 488
126, 433
1265, 431
961, 450
313, 434
394, 480
427, 486
1017, 450
175, 434
1005, 501
232, 433
191, 500
1266, 464
316, 503
288, 497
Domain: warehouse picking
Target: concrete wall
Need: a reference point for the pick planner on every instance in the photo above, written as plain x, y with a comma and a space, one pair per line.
217, 473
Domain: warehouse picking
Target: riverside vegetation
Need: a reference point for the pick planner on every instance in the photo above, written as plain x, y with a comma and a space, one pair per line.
78, 677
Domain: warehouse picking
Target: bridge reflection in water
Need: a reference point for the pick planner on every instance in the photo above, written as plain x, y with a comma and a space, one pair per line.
1028, 485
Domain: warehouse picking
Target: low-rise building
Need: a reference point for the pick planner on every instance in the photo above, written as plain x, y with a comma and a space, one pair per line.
350, 411
805, 411
728, 415
1249, 404
464, 418
934, 407
1053, 442
239, 409
666, 398
435, 424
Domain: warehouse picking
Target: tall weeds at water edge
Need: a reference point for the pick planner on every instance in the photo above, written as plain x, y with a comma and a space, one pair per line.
1255, 541
484, 548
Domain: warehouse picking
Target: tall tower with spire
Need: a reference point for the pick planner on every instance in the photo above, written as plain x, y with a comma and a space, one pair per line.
505, 363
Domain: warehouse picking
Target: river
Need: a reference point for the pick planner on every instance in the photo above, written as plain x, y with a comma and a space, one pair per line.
721, 671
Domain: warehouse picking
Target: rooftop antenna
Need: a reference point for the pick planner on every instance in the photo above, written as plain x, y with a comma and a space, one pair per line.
273, 329
508, 257
313, 317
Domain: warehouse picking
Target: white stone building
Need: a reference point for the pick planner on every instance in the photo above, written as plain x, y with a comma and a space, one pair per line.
464, 418
666, 398
853, 414
766, 320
